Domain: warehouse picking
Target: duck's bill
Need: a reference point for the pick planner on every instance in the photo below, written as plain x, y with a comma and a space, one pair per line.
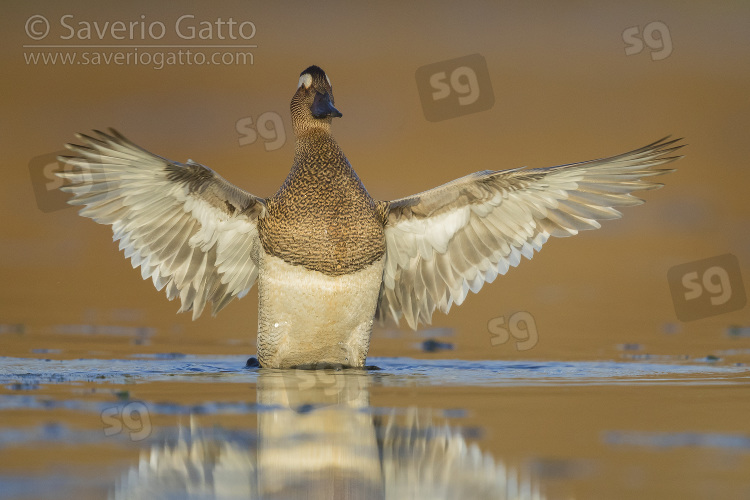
322, 107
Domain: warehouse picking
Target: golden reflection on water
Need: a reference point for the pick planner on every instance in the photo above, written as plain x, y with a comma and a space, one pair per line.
169, 425
318, 437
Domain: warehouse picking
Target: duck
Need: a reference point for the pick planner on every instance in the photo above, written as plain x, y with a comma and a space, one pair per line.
330, 260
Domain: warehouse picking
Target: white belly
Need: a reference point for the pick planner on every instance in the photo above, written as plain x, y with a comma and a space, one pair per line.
307, 318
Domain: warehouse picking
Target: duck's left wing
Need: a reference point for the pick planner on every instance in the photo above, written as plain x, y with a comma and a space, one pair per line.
188, 229
446, 241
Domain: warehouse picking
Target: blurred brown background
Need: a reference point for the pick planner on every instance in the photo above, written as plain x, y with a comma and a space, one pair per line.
564, 91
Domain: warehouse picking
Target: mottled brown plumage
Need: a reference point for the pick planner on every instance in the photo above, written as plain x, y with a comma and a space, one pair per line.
322, 218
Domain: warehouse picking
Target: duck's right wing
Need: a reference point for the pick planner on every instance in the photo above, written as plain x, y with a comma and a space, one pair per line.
188, 229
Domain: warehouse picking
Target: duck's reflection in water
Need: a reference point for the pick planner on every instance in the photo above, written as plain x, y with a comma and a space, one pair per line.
319, 438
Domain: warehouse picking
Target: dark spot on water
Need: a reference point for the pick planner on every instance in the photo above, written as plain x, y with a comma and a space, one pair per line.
738, 331
667, 440
123, 395
372, 368
432, 345
630, 347
711, 358
53, 431
671, 328
454, 413
306, 408
555, 468
12, 328
472, 433
252, 362
22, 386
46, 351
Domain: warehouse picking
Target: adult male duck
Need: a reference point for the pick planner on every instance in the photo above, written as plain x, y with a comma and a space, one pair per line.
328, 258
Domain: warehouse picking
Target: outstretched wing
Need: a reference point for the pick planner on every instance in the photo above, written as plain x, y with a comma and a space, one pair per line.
188, 229
446, 241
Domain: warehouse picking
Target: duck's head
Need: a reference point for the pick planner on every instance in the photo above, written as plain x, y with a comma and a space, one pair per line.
312, 104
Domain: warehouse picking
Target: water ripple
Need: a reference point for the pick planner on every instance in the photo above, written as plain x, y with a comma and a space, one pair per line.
393, 371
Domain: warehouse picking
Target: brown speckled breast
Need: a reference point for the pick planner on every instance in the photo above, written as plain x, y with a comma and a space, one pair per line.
322, 217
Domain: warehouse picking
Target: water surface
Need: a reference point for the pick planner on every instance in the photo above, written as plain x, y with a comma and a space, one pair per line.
186, 426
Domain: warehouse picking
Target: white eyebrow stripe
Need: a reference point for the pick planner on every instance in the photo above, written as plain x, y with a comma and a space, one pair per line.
328, 80
305, 80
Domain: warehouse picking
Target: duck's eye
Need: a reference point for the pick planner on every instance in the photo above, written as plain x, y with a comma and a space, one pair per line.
305, 80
